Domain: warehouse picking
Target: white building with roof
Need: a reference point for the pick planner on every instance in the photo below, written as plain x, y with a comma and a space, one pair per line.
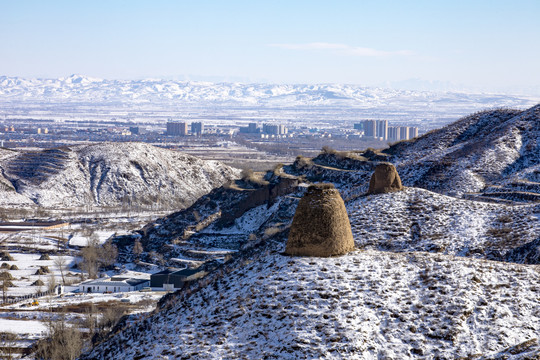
113, 284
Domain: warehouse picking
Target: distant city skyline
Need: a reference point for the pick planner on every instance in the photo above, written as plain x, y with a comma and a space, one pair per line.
429, 45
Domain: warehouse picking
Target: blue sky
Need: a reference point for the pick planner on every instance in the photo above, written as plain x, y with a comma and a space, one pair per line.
490, 45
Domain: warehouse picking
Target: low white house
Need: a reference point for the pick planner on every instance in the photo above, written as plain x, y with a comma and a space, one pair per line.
113, 284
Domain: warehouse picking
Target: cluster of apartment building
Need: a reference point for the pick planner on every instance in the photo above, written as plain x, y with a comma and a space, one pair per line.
270, 129
379, 129
26, 130
181, 128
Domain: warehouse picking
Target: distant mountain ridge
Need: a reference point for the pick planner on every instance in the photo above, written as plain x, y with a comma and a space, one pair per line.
78, 88
109, 174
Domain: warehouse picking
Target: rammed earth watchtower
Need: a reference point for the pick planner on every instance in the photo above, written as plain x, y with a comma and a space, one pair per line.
320, 225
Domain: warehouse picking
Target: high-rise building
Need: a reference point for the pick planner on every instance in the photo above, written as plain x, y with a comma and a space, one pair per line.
379, 129
197, 128
274, 129
370, 128
382, 129
413, 132
177, 128
250, 129
374, 128
271, 129
403, 133
393, 133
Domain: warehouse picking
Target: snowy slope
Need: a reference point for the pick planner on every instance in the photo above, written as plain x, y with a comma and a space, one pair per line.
112, 174
401, 303
420, 220
493, 152
365, 305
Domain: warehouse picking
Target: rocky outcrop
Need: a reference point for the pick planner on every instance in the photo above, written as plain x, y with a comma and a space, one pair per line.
5, 184
266, 194
320, 225
385, 179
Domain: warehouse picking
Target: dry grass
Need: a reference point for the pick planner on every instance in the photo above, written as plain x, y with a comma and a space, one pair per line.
303, 163
249, 176
343, 154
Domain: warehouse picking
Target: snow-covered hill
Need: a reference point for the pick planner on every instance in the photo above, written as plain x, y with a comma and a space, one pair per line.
420, 220
403, 295
80, 89
365, 305
491, 155
109, 174
422, 283
495, 152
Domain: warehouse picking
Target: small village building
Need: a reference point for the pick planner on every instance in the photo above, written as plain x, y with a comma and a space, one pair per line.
112, 285
172, 279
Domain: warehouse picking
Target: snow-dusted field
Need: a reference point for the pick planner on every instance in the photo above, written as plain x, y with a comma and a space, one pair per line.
28, 265
30, 328
29, 321
77, 299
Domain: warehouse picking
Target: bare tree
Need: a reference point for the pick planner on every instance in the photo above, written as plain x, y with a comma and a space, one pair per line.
39, 286
110, 317
51, 284
90, 255
157, 258
8, 340
137, 249
4, 289
107, 254
62, 343
61, 241
5, 277
90, 319
60, 262
96, 256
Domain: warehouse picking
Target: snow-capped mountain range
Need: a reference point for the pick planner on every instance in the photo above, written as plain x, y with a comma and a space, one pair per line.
78, 88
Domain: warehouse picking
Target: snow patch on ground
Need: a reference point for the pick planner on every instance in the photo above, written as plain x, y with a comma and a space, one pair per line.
30, 328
